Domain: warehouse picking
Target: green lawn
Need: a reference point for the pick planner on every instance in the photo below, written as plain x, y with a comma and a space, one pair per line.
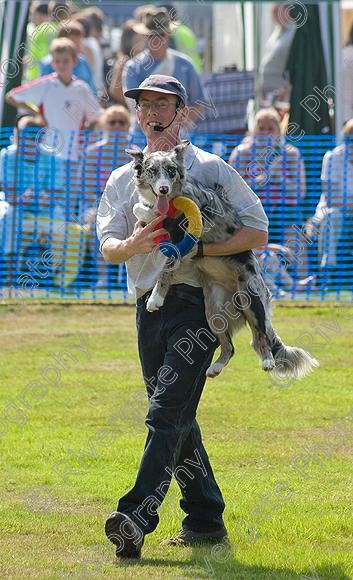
298, 503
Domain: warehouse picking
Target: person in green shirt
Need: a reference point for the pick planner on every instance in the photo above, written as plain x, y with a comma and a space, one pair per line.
40, 33
183, 38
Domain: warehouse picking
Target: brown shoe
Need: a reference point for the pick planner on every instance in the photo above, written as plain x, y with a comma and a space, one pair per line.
190, 538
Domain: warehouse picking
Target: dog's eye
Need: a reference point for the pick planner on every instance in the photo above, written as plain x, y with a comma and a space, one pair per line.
171, 171
138, 169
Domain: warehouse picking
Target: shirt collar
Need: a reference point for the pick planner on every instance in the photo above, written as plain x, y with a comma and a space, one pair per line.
190, 155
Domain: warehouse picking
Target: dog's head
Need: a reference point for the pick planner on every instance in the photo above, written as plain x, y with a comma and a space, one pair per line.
159, 174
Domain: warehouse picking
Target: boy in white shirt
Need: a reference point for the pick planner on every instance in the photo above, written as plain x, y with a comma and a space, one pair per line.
65, 103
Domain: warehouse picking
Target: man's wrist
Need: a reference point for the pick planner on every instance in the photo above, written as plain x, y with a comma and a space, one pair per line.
116, 251
127, 248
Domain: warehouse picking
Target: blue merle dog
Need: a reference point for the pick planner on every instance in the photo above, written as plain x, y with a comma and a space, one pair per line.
232, 281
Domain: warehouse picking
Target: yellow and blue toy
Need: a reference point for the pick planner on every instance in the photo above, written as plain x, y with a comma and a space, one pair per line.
193, 231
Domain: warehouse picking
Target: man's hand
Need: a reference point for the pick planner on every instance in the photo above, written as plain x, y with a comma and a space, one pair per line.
142, 238
141, 241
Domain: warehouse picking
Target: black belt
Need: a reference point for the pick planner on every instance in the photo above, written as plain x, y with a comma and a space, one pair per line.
191, 293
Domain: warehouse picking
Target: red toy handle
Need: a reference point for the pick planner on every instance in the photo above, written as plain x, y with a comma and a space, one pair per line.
171, 212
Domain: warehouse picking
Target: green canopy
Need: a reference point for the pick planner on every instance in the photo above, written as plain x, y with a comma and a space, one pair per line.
13, 22
308, 77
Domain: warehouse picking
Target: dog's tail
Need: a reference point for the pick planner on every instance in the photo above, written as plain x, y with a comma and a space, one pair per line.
291, 361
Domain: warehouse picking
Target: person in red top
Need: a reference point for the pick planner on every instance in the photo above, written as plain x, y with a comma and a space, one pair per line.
65, 103
275, 171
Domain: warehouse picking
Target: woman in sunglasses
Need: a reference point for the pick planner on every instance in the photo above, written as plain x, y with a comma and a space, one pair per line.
99, 160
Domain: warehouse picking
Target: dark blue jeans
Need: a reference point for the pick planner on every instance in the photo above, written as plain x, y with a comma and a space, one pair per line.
175, 347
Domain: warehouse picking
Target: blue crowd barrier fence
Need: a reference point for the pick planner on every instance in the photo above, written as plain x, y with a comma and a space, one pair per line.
48, 244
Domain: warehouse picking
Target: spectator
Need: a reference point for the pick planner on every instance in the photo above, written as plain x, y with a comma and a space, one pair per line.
46, 19
158, 59
183, 38
273, 261
275, 171
272, 82
91, 42
33, 186
38, 13
81, 69
333, 219
140, 11
109, 152
66, 103
39, 37
4, 209
97, 164
60, 10
132, 42
6, 222
86, 51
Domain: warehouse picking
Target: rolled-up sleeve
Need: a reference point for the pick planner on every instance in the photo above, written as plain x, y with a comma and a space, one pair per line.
242, 197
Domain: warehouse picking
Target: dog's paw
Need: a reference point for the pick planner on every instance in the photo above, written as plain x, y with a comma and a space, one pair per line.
143, 213
268, 364
214, 370
154, 302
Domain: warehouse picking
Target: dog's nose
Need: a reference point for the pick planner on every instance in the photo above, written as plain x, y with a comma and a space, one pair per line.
164, 190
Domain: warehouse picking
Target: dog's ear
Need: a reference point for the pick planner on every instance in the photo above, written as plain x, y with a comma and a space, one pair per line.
179, 150
137, 156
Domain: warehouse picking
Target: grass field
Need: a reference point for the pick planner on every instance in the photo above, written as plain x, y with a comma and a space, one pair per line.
298, 502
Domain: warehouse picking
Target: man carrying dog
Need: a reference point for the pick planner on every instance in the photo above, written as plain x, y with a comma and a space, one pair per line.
174, 382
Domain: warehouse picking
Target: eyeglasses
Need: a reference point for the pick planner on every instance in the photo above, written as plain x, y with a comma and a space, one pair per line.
145, 106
